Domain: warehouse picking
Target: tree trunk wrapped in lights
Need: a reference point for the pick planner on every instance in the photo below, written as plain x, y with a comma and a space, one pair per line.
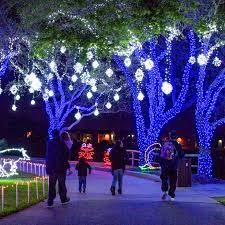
209, 87
147, 78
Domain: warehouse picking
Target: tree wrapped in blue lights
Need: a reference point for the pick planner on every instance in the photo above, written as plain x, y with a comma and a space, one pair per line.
152, 75
66, 86
209, 87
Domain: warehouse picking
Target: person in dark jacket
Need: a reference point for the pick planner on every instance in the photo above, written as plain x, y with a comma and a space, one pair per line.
82, 168
56, 167
118, 157
171, 152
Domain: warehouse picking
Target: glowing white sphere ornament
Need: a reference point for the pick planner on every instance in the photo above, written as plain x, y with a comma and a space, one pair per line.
14, 107
74, 78
89, 95
1, 90
149, 64
71, 87
109, 72
217, 62
116, 97
167, 88
45, 97
192, 60
63, 49
90, 55
13, 89
31, 90
32, 102
202, 60
95, 64
94, 88
96, 112
53, 66
77, 116
127, 62
108, 105
78, 67
51, 93
140, 96
139, 75
17, 97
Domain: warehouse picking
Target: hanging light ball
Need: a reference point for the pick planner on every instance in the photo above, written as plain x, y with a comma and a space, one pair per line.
31, 90
202, 60
51, 93
140, 96
90, 55
14, 89
217, 62
96, 112
14, 107
77, 116
109, 72
127, 62
139, 75
1, 90
192, 60
78, 67
95, 64
17, 97
94, 88
70, 87
89, 95
32, 102
108, 105
45, 96
149, 64
74, 78
116, 97
63, 49
167, 88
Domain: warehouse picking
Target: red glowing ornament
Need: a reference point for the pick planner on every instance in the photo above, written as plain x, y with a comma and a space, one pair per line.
106, 159
86, 151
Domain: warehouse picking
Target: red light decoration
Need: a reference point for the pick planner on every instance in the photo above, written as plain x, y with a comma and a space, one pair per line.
86, 151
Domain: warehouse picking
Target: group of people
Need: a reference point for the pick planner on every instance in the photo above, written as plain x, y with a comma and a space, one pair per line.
57, 165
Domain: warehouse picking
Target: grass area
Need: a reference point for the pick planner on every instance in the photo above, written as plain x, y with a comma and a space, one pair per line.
10, 192
220, 200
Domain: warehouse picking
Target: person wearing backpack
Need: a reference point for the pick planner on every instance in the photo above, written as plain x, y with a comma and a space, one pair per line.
170, 154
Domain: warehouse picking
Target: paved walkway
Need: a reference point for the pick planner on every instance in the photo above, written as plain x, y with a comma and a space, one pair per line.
139, 205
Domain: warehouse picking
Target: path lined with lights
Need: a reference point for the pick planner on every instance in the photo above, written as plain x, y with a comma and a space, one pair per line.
139, 204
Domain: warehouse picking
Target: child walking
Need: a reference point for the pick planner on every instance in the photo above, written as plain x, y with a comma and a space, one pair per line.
82, 168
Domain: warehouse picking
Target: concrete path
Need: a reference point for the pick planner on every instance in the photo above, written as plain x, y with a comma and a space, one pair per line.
140, 204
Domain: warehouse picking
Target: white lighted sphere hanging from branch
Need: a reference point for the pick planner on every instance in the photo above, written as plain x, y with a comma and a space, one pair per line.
202, 60
77, 116
53, 66
13, 89
108, 105
1, 90
63, 49
17, 97
139, 75
89, 95
32, 102
127, 62
31, 90
94, 88
109, 72
74, 78
167, 88
95, 64
116, 97
78, 67
51, 93
14, 107
70, 87
192, 60
149, 64
140, 96
217, 62
45, 97
96, 112
90, 55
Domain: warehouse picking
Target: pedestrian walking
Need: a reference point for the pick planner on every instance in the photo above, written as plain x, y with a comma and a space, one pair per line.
118, 157
68, 142
82, 168
56, 167
170, 154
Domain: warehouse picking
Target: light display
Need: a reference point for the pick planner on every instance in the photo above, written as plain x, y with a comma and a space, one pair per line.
106, 159
158, 114
86, 151
167, 88
9, 167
